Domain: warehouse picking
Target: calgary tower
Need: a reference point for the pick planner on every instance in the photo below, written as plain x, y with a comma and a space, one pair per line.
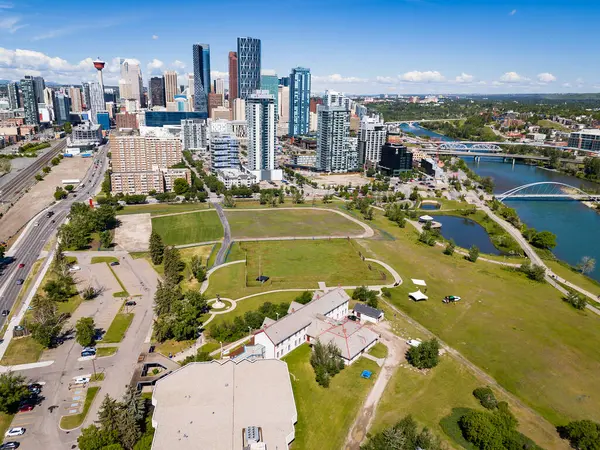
99, 65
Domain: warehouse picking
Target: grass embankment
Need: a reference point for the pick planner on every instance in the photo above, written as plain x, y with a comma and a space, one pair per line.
302, 222
75, 420
553, 125
213, 255
379, 350
171, 346
117, 329
105, 351
162, 208
97, 377
190, 282
22, 350
103, 259
326, 414
5, 421
565, 271
189, 228
123, 293
519, 331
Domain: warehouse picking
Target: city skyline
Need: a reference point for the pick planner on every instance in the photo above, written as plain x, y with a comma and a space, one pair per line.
431, 48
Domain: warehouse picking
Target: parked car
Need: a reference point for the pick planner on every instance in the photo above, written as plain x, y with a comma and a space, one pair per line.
21, 265
17, 431
413, 342
20, 281
81, 380
130, 303
25, 407
451, 299
35, 388
5, 312
114, 263
36, 224
9, 445
74, 268
18, 328
151, 349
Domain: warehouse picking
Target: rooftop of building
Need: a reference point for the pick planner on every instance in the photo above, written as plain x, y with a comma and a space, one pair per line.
368, 310
322, 303
86, 126
349, 336
209, 405
593, 131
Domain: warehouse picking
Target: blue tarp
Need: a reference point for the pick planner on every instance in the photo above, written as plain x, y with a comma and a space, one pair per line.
366, 374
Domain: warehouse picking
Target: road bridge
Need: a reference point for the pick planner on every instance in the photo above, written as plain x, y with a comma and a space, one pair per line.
494, 154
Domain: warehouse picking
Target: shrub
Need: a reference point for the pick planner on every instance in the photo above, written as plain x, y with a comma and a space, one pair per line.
486, 397
581, 434
575, 300
425, 356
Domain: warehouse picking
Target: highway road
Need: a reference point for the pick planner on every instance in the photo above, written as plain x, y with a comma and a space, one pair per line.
27, 248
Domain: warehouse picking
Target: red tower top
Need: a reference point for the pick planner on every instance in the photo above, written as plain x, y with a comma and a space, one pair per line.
99, 64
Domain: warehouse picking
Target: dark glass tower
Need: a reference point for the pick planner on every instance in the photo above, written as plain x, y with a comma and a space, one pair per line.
299, 101
248, 53
201, 57
30, 103
157, 91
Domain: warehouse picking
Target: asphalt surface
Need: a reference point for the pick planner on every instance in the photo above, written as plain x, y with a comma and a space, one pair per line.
220, 259
29, 246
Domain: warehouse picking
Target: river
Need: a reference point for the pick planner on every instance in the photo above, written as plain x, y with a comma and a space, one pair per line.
576, 226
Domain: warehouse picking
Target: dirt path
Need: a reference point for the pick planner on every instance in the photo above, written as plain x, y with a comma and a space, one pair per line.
396, 350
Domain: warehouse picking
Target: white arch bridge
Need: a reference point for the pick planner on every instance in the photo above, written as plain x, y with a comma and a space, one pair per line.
547, 190
480, 146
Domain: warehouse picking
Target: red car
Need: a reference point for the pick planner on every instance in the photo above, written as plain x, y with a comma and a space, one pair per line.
21, 265
26, 407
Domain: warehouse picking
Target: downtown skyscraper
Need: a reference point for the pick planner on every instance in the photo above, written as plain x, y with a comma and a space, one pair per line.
201, 58
14, 101
260, 115
333, 150
30, 101
248, 62
233, 77
157, 91
299, 102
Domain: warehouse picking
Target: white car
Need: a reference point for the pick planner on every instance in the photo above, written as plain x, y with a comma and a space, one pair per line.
82, 380
17, 431
36, 224
74, 268
413, 342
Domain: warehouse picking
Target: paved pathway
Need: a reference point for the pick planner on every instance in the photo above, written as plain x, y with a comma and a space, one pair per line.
220, 259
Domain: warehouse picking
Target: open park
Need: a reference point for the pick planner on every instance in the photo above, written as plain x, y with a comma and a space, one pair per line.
188, 227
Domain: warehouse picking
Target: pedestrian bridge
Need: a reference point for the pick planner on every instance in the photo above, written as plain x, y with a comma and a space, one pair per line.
547, 190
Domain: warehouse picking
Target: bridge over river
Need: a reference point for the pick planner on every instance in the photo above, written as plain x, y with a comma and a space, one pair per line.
549, 190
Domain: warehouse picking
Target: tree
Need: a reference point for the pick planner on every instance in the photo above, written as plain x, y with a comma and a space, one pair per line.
368, 214
94, 438
576, 300
364, 294
2, 251
85, 329
172, 265
473, 253
180, 186
404, 435
89, 293
304, 298
12, 390
544, 239
586, 265
59, 193
67, 127
198, 357
109, 414
425, 356
326, 361
450, 247
45, 323
46, 169
157, 248
105, 239
486, 397
134, 403
5, 166
69, 187
198, 269
228, 201
106, 183
581, 434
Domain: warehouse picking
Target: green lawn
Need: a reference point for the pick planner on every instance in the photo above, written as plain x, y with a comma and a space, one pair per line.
301, 222
379, 350
172, 346
188, 228
519, 331
552, 124
564, 271
98, 377
162, 208
75, 420
117, 329
202, 251
213, 255
22, 351
303, 264
122, 293
5, 420
103, 259
106, 351
253, 303
325, 415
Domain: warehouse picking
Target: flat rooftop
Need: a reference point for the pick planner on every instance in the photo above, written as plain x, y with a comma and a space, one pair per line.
208, 405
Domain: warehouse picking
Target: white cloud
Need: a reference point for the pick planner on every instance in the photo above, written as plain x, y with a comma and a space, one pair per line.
386, 80
154, 36
497, 83
155, 66
579, 80
513, 77
546, 77
6, 5
423, 77
513, 12
268, 72
178, 64
567, 85
214, 74
11, 24
464, 78
337, 78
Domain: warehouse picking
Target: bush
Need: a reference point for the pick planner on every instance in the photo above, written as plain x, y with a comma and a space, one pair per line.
581, 434
450, 247
386, 292
363, 294
486, 397
533, 271
473, 253
576, 300
425, 356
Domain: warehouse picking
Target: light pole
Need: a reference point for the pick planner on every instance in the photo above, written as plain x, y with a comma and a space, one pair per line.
277, 315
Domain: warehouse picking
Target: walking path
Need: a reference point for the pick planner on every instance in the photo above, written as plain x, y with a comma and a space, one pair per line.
220, 259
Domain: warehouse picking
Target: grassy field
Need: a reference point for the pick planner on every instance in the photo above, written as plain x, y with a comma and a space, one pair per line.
117, 329
213, 255
103, 259
301, 222
253, 303
106, 351
75, 420
430, 397
552, 124
98, 377
202, 251
5, 420
188, 228
303, 264
19, 301
574, 277
172, 346
326, 414
519, 331
162, 208
379, 350
22, 351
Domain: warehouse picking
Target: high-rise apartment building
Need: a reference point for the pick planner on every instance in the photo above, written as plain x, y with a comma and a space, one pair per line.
395, 159
314, 102
14, 101
214, 101
62, 107
194, 134
201, 58
75, 96
333, 98
131, 84
126, 120
332, 138
219, 87
371, 137
171, 87
284, 103
86, 94
239, 109
40, 85
284, 81
30, 101
233, 76
248, 59
260, 115
48, 98
299, 101
97, 103
224, 152
271, 83
157, 91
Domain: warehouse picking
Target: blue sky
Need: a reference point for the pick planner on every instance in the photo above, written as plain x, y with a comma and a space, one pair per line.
393, 46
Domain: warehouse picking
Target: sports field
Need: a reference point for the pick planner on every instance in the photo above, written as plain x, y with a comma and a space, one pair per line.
275, 222
188, 228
